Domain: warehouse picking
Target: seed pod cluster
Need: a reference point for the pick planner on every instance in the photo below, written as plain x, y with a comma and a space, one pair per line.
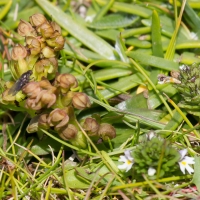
49, 97
43, 41
189, 88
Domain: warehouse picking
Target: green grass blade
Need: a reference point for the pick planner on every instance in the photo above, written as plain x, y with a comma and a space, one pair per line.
154, 61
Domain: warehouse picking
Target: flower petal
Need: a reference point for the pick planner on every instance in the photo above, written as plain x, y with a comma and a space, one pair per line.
129, 167
122, 159
183, 152
189, 160
128, 155
182, 167
189, 169
123, 166
151, 171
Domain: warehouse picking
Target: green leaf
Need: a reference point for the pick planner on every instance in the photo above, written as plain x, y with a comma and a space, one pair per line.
104, 10
120, 47
174, 122
138, 105
167, 27
108, 74
154, 101
191, 17
124, 84
138, 43
196, 177
129, 8
87, 37
113, 21
156, 35
157, 49
74, 182
153, 61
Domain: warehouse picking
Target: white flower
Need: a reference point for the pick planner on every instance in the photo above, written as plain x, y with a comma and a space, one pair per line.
150, 135
128, 161
185, 161
151, 171
193, 36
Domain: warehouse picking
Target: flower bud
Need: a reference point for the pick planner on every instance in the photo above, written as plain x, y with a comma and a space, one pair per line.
25, 29
46, 30
106, 131
80, 101
34, 45
47, 52
46, 67
54, 62
56, 27
42, 122
65, 82
58, 118
68, 133
18, 52
37, 19
31, 103
31, 89
33, 125
56, 41
46, 97
7, 97
91, 126
79, 141
46, 85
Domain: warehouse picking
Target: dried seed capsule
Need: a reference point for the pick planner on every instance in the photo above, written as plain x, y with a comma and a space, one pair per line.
37, 19
80, 101
106, 131
25, 29
68, 133
91, 126
18, 52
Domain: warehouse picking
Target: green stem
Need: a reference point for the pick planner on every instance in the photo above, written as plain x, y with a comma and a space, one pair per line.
184, 117
141, 70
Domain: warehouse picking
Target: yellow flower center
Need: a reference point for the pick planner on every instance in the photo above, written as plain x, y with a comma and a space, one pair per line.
184, 163
128, 162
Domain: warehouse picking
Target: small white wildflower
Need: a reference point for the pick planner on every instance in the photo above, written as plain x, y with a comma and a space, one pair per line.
150, 135
185, 162
128, 161
89, 18
194, 36
151, 171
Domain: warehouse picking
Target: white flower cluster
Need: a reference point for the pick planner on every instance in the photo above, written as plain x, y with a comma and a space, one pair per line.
184, 162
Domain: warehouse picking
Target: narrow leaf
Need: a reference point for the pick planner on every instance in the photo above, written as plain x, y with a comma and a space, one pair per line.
153, 61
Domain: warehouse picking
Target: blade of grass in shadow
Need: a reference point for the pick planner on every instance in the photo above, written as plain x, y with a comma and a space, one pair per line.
87, 37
